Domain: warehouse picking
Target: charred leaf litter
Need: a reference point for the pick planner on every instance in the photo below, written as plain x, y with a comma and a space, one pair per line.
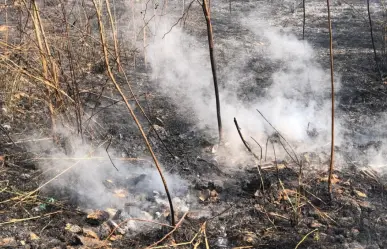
222, 200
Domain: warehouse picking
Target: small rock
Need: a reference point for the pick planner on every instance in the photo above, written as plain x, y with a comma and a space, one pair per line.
25, 176
73, 228
214, 149
250, 237
114, 226
346, 221
115, 237
204, 195
7, 127
91, 243
315, 224
104, 231
97, 217
8, 242
87, 232
360, 194
33, 236
354, 245
214, 194
111, 211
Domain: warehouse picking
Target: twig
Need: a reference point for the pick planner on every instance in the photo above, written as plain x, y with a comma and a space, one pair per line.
287, 152
135, 219
267, 142
205, 235
144, 114
168, 234
185, 13
275, 161
107, 152
279, 134
30, 218
9, 137
89, 158
249, 149
44, 184
306, 236
259, 147
299, 194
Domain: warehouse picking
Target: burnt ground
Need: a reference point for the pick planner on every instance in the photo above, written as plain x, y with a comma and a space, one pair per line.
237, 210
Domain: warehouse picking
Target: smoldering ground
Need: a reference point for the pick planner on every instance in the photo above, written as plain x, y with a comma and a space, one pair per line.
294, 95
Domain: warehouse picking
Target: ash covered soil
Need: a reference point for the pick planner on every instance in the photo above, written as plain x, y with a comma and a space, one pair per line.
226, 205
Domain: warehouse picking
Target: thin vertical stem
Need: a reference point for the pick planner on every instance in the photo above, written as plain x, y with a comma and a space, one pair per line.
372, 39
6, 21
134, 31
333, 101
303, 20
38, 35
114, 32
207, 14
144, 37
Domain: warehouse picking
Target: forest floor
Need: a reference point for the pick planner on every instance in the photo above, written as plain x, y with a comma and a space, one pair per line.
232, 209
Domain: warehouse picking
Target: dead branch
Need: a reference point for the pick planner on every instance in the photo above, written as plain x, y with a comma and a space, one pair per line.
372, 40
207, 14
107, 152
333, 100
133, 115
170, 233
258, 145
249, 149
185, 13
7, 134
296, 160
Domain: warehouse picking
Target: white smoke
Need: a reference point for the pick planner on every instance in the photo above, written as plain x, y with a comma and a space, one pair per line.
295, 95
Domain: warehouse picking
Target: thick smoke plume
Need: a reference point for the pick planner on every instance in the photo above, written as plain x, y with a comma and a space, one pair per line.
294, 96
